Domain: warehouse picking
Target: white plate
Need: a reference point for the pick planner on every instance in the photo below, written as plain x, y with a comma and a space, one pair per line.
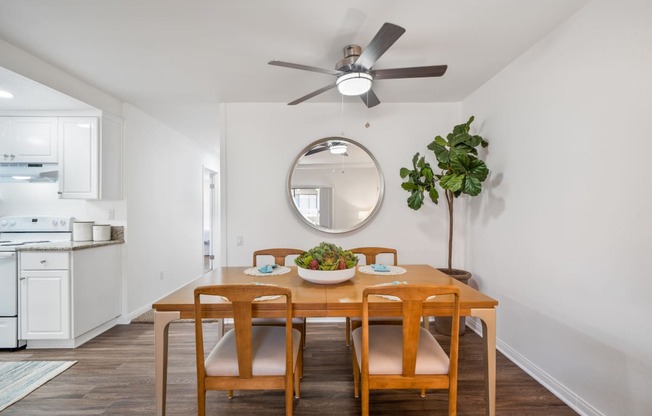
326, 277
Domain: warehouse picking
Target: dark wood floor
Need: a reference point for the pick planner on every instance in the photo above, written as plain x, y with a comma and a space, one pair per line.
115, 376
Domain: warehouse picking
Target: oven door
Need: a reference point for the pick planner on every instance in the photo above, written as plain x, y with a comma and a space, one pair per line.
8, 284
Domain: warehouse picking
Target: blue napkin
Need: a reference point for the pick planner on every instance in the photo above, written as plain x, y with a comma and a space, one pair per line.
380, 268
267, 268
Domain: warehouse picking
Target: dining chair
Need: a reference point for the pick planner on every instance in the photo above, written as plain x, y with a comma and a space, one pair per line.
407, 356
247, 357
370, 254
280, 256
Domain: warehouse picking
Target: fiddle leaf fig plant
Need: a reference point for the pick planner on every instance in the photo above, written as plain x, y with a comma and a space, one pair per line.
461, 172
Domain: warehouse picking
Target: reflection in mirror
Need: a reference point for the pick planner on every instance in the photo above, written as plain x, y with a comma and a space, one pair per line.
335, 185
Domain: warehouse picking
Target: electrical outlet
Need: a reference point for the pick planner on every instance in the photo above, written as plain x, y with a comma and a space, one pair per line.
239, 241
161, 275
111, 214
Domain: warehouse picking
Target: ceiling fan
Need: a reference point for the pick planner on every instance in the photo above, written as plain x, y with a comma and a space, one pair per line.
354, 73
335, 147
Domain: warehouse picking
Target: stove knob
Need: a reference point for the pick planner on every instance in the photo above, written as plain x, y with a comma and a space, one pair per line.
3, 223
63, 223
54, 223
12, 223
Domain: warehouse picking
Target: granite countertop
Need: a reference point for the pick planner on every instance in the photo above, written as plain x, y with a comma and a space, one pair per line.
117, 237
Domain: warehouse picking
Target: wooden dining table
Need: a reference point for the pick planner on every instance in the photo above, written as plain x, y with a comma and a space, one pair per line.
321, 300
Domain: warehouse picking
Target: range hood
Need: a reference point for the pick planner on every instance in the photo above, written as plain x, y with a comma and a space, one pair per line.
28, 172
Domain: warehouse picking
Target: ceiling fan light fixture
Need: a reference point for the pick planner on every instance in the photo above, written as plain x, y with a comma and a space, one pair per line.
337, 149
354, 83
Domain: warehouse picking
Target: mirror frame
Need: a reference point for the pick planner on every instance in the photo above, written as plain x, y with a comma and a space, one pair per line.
381, 185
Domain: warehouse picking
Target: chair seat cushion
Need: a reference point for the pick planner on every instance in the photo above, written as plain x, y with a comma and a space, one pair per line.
268, 352
386, 351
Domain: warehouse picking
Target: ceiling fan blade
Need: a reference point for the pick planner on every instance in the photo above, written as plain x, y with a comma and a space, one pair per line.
370, 98
306, 68
413, 72
312, 94
316, 149
386, 36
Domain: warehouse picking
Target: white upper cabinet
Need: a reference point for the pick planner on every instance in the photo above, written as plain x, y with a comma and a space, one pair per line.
28, 139
90, 162
79, 162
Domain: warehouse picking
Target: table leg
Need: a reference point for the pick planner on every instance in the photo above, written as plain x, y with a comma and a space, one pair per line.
161, 325
488, 317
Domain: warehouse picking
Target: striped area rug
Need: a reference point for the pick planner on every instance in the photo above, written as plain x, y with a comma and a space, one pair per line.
20, 378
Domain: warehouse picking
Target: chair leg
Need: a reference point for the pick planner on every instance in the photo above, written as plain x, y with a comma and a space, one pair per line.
288, 398
423, 392
356, 375
348, 331
303, 333
201, 403
229, 394
452, 399
365, 396
297, 377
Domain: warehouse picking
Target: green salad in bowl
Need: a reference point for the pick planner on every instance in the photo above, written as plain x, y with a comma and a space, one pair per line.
326, 256
326, 264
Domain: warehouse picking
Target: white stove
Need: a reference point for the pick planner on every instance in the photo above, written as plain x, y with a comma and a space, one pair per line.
22, 231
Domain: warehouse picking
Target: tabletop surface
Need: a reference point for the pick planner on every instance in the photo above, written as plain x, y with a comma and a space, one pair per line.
315, 300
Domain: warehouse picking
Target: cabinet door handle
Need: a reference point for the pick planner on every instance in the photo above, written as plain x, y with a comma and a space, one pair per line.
43, 261
22, 278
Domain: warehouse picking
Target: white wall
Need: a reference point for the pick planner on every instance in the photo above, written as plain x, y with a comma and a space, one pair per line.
262, 141
562, 238
163, 188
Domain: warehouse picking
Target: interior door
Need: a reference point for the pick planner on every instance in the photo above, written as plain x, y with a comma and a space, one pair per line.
208, 238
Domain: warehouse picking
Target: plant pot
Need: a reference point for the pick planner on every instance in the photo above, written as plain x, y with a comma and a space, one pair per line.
443, 323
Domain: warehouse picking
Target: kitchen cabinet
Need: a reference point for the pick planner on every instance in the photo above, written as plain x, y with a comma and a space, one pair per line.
45, 296
90, 158
68, 297
28, 139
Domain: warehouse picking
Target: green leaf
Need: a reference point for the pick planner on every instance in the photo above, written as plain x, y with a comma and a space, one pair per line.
434, 195
415, 200
414, 160
409, 186
427, 173
452, 182
441, 153
460, 163
458, 139
474, 141
421, 162
478, 169
472, 186
440, 141
405, 172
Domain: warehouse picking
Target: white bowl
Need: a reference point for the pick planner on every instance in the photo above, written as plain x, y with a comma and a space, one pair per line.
326, 277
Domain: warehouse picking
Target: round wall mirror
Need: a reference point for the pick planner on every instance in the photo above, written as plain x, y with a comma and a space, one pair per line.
335, 185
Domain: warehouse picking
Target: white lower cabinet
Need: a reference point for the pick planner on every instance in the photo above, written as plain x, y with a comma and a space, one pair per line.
67, 298
45, 295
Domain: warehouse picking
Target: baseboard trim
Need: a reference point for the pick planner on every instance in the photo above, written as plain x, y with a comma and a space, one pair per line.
574, 401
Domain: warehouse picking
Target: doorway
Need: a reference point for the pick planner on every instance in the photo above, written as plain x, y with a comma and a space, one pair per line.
208, 238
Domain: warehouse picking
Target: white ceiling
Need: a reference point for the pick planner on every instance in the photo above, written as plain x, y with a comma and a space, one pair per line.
177, 60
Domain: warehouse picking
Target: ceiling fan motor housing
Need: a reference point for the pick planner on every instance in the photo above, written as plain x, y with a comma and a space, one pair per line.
351, 54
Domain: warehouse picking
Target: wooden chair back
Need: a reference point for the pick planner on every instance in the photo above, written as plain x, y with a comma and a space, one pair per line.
242, 299
279, 254
370, 253
413, 298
